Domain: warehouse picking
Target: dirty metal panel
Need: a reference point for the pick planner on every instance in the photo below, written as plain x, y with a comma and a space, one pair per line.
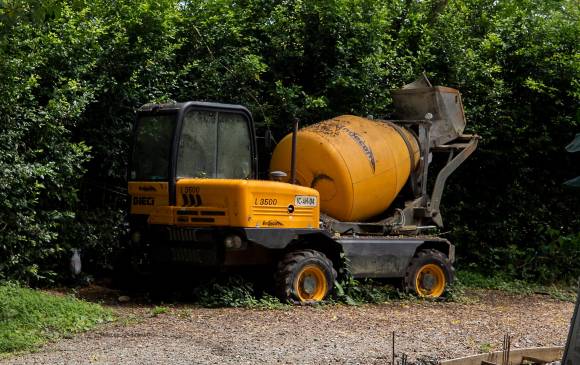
574, 146
379, 257
444, 104
200, 255
277, 238
572, 351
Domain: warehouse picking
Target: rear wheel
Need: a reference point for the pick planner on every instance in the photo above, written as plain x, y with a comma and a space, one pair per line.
429, 274
305, 276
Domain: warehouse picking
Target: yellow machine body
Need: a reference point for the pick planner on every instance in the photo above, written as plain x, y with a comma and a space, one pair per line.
358, 165
227, 203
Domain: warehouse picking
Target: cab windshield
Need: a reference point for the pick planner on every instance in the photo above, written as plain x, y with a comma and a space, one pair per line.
214, 144
152, 149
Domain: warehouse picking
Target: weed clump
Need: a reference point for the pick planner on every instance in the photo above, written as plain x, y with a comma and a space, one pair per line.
353, 292
474, 280
234, 292
158, 310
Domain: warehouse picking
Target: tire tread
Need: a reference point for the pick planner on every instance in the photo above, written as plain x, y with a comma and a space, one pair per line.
287, 266
420, 256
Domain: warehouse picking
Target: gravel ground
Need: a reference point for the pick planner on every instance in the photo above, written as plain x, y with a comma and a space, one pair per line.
187, 334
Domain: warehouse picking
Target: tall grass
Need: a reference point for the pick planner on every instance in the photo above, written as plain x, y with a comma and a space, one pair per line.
29, 317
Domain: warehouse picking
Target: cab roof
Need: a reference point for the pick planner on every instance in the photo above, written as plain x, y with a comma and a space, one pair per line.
153, 107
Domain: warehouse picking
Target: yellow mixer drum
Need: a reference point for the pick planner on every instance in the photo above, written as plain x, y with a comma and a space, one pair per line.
358, 165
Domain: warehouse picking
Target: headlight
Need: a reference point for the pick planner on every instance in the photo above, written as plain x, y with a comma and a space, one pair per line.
233, 242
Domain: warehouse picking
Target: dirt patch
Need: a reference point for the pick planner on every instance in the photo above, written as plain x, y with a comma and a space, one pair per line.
338, 334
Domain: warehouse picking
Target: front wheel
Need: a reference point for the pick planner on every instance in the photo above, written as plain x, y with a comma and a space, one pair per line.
429, 274
305, 276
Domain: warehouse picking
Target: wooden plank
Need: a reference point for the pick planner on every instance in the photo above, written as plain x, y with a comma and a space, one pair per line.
547, 354
534, 360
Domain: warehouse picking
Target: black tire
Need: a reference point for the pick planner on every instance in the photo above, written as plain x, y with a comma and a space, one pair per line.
305, 277
429, 274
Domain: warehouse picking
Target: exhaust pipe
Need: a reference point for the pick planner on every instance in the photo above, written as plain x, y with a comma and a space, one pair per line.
293, 160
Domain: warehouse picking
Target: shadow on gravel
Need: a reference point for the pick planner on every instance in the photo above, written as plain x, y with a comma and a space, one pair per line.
244, 289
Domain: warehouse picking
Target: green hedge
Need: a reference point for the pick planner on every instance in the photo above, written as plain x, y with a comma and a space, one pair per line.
73, 72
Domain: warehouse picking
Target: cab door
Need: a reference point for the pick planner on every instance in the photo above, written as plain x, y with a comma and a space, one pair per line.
215, 141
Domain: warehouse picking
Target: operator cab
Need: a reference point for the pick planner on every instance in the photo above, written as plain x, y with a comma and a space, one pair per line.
193, 140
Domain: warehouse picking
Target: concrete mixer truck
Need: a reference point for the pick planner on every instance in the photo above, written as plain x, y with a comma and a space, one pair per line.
346, 190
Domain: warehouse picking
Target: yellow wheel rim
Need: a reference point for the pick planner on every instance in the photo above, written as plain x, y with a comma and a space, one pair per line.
430, 281
310, 284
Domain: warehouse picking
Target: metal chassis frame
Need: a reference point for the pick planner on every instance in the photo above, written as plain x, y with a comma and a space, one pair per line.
466, 146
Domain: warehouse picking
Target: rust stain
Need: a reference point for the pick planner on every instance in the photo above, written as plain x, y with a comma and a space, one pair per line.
332, 128
319, 177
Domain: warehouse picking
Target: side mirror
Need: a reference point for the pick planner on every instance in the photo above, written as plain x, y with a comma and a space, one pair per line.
269, 141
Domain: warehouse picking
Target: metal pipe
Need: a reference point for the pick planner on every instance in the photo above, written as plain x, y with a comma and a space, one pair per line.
393, 363
293, 161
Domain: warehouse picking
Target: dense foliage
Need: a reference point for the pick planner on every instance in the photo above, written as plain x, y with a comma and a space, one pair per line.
72, 74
